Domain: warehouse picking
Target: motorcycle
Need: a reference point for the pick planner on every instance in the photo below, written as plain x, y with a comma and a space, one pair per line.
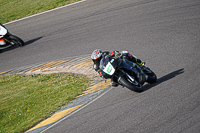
8, 40
126, 73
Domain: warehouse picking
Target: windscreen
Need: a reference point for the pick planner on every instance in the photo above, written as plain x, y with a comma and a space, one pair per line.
104, 61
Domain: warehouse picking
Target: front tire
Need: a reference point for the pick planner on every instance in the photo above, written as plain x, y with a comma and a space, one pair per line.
129, 85
16, 41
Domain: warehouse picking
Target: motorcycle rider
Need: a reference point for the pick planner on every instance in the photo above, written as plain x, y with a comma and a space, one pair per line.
97, 55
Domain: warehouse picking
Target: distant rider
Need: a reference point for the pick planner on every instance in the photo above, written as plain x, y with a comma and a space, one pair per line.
97, 55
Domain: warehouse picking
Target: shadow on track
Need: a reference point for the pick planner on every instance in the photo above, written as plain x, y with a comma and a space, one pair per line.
25, 44
32, 41
163, 79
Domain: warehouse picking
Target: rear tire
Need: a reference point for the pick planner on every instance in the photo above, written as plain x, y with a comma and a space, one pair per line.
129, 85
16, 40
152, 78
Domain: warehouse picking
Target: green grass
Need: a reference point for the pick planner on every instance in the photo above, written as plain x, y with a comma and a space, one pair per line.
26, 100
15, 9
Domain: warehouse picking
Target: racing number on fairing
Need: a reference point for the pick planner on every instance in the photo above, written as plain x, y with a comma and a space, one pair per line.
109, 69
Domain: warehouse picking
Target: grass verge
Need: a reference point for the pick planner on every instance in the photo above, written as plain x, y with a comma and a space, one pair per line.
16, 9
27, 100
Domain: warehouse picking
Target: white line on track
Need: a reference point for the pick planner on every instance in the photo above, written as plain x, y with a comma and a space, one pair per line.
44, 12
77, 110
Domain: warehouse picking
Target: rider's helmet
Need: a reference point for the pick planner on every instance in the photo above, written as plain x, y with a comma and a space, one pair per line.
96, 55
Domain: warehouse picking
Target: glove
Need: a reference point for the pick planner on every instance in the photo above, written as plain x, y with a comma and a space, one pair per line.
96, 68
117, 55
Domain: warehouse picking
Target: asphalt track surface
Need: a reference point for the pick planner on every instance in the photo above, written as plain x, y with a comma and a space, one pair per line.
165, 34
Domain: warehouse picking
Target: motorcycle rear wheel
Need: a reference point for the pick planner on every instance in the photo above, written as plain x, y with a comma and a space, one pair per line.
129, 85
152, 78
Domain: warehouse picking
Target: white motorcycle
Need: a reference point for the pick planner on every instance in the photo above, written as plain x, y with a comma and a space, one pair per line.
8, 40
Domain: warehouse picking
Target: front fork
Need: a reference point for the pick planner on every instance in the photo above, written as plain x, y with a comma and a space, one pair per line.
7, 40
142, 78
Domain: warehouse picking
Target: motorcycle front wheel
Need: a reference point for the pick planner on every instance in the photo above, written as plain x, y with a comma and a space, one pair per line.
14, 40
129, 85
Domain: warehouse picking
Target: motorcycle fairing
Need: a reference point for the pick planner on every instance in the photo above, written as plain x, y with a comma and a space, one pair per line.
2, 42
109, 69
133, 69
128, 65
3, 31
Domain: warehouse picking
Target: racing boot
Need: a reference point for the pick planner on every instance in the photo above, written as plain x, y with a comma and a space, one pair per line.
113, 83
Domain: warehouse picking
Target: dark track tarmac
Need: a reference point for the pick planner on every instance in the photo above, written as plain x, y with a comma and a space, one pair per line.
165, 34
